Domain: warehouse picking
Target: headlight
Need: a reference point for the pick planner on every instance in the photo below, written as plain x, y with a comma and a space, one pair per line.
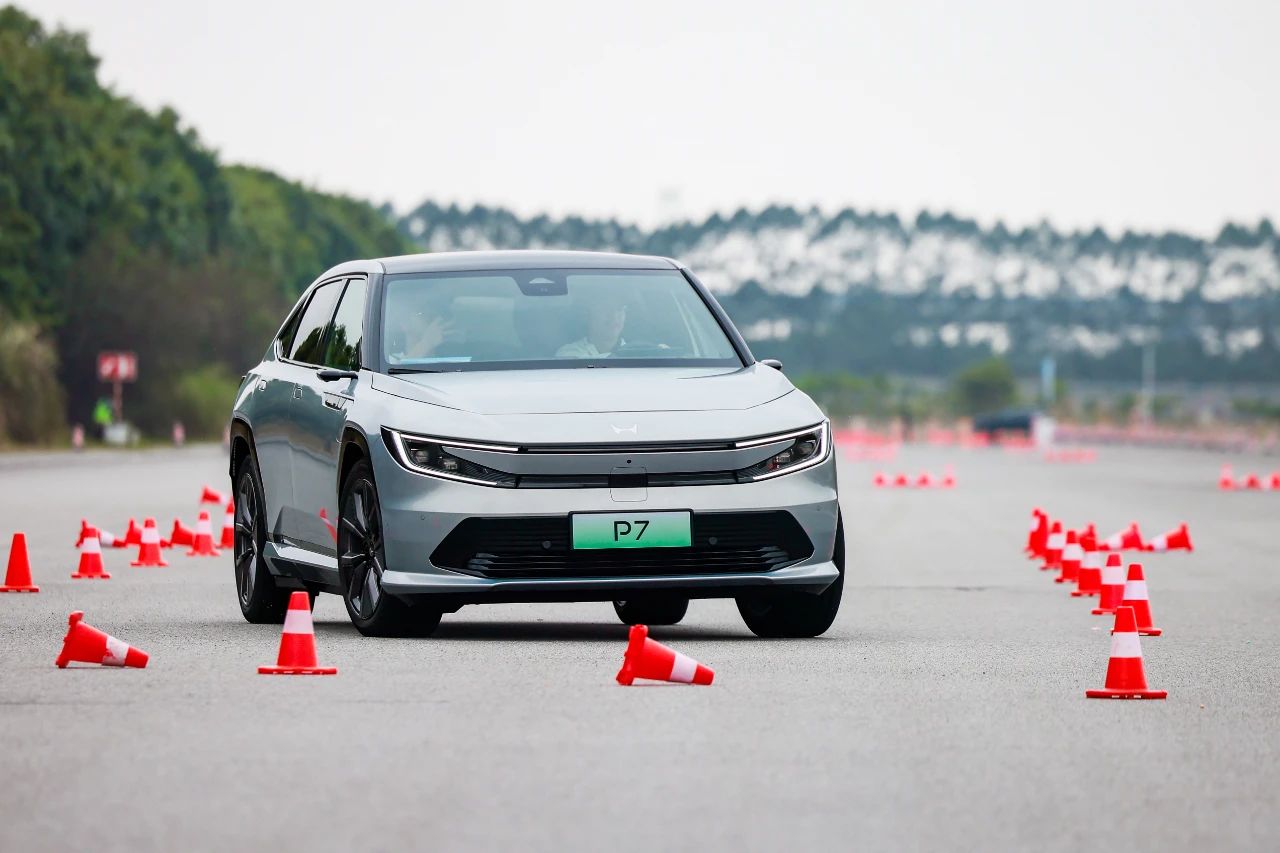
808, 448
431, 456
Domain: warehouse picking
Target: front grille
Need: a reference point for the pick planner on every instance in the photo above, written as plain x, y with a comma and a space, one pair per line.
539, 547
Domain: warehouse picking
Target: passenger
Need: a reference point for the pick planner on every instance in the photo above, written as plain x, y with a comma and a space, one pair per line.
420, 330
606, 315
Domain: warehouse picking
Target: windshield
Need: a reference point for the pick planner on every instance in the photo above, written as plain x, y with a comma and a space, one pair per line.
549, 318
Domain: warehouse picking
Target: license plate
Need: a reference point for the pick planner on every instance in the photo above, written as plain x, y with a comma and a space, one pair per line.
631, 530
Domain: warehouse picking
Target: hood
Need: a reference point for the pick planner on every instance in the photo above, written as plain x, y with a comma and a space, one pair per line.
584, 390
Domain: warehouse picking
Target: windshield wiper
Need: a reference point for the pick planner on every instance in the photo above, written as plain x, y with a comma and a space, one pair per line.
394, 370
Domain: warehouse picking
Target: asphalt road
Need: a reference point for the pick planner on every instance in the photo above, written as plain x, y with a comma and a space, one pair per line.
944, 710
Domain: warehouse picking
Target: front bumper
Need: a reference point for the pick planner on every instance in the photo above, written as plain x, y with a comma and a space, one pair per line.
419, 511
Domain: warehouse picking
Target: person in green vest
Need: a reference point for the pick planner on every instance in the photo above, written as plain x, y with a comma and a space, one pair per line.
102, 416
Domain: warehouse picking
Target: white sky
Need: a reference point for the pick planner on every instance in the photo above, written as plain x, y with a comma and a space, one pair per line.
1124, 114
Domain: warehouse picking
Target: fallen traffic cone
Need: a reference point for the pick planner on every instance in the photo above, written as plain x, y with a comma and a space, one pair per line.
650, 659
1111, 591
228, 539
1072, 555
17, 577
133, 535
213, 496
1129, 539
90, 567
149, 547
110, 540
1226, 480
1089, 578
1125, 678
1178, 539
297, 642
86, 644
1135, 596
181, 535
1054, 544
203, 546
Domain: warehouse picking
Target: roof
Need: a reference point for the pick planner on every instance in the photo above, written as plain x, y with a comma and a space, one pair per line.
512, 260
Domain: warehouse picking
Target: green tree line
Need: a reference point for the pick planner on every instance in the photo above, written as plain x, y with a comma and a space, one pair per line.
120, 229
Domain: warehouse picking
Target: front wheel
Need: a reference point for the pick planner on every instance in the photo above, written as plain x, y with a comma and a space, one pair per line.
362, 561
786, 613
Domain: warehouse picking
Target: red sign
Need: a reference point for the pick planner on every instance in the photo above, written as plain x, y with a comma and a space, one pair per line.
117, 366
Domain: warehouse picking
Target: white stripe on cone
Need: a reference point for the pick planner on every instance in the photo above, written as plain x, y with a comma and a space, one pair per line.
298, 622
1073, 552
91, 545
1125, 645
1093, 560
1135, 590
683, 669
117, 651
1057, 541
150, 536
1113, 575
1160, 543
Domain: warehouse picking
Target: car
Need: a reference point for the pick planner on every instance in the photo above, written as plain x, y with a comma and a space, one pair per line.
432, 431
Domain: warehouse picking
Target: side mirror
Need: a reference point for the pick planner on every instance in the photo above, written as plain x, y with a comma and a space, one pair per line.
333, 374
772, 362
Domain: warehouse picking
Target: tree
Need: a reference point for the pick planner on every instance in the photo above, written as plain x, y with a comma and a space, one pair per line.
983, 387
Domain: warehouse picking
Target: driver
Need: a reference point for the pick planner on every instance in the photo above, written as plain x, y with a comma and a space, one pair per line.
606, 315
419, 329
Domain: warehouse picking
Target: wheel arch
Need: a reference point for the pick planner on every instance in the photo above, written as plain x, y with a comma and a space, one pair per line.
241, 446
354, 448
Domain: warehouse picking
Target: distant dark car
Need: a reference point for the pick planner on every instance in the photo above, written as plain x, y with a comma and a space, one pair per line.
1021, 422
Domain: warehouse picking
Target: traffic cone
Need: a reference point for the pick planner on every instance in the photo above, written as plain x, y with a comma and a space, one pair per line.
901, 481
879, 480
86, 644
1072, 554
133, 536
181, 535
1135, 596
948, 478
924, 481
1054, 544
650, 659
203, 546
1275, 481
1178, 539
1129, 539
85, 527
228, 539
213, 496
17, 577
1036, 533
297, 642
110, 540
1226, 480
1253, 481
1111, 589
1125, 678
1089, 578
149, 547
90, 567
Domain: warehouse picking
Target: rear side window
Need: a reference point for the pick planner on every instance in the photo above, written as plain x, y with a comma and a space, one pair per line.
343, 349
310, 335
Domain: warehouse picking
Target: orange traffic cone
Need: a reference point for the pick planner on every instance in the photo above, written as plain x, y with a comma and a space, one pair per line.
228, 539
1089, 578
1226, 480
17, 577
213, 496
149, 547
203, 546
90, 567
1135, 596
1178, 539
297, 642
133, 536
650, 659
1111, 589
1037, 532
1072, 555
86, 644
1054, 543
181, 535
1125, 678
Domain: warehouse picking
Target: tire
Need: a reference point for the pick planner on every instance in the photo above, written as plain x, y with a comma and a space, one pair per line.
261, 601
362, 560
788, 613
652, 610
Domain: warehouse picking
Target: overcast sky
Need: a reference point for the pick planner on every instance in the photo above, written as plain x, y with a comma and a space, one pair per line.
1141, 115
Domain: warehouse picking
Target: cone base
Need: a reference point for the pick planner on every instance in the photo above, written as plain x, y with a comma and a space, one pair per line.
19, 589
204, 554
1084, 594
160, 565
102, 577
1104, 693
1104, 611
1150, 632
297, 670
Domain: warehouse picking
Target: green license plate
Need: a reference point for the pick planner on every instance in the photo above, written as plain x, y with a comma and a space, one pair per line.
631, 530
